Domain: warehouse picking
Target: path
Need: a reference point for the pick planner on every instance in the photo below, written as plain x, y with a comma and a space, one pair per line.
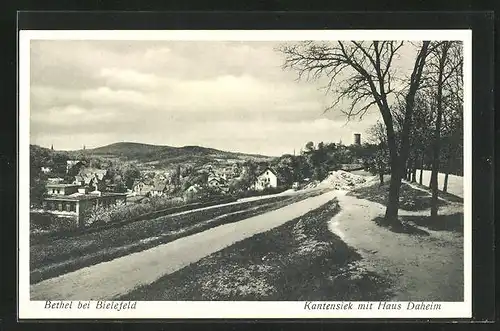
422, 268
109, 280
455, 183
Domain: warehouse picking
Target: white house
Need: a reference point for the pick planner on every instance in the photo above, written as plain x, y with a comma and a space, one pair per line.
46, 170
158, 189
266, 179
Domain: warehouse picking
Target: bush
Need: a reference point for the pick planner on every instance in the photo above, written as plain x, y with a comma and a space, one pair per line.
45, 222
266, 191
100, 215
159, 203
97, 215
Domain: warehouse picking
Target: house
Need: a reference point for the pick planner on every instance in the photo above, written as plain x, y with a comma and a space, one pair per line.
194, 188
61, 189
142, 187
46, 170
266, 179
158, 189
192, 191
76, 202
235, 170
217, 183
55, 180
92, 177
75, 165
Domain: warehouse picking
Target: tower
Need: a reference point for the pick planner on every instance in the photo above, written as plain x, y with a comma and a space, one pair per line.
52, 147
357, 139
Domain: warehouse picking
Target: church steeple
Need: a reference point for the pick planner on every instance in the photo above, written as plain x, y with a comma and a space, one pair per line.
52, 147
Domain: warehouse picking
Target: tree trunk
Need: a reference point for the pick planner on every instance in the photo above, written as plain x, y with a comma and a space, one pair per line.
398, 161
437, 135
410, 103
421, 169
445, 185
397, 171
381, 177
408, 171
449, 166
413, 173
391, 212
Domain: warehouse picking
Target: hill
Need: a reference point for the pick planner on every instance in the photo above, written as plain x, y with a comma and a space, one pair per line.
158, 156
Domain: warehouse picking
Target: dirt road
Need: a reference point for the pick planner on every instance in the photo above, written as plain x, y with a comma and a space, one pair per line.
426, 268
108, 280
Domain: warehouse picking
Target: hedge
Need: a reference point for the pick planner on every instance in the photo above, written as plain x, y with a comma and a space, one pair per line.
65, 232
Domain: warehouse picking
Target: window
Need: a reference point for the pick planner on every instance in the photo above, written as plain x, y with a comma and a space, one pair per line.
60, 206
68, 206
73, 206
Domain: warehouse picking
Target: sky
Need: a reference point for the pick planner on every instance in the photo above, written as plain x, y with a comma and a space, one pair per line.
231, 96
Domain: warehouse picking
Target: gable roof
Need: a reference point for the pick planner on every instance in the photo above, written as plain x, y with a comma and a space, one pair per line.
193, 188
264, 171
86, 174
159, 186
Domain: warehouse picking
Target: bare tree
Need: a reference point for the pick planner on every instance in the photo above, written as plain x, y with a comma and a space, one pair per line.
445, 61
376, 136
364, 74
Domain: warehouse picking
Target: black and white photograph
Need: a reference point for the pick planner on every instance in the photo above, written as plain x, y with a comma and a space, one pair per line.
326, 173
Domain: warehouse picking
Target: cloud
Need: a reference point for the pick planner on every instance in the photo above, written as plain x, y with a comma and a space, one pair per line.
228, 95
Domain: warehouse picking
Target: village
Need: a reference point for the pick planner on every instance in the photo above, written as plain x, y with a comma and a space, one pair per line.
93, 187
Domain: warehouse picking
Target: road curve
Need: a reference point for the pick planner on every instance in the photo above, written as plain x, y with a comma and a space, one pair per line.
108, 280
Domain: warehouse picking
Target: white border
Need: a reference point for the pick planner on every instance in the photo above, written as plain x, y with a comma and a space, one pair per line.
235, 309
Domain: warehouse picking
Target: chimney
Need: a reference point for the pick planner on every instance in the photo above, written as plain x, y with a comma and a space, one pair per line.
357, 139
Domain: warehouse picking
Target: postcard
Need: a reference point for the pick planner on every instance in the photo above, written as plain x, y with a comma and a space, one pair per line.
189, 174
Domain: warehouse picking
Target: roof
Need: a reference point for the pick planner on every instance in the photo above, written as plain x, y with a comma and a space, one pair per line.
211, 179
194, 187
93, 171
274, 172
159, 186
80, 196
138, 182
87, 174
62, 185
73, 162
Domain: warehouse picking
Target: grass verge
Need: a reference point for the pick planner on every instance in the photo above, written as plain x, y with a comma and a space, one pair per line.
51, 259
300, 260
